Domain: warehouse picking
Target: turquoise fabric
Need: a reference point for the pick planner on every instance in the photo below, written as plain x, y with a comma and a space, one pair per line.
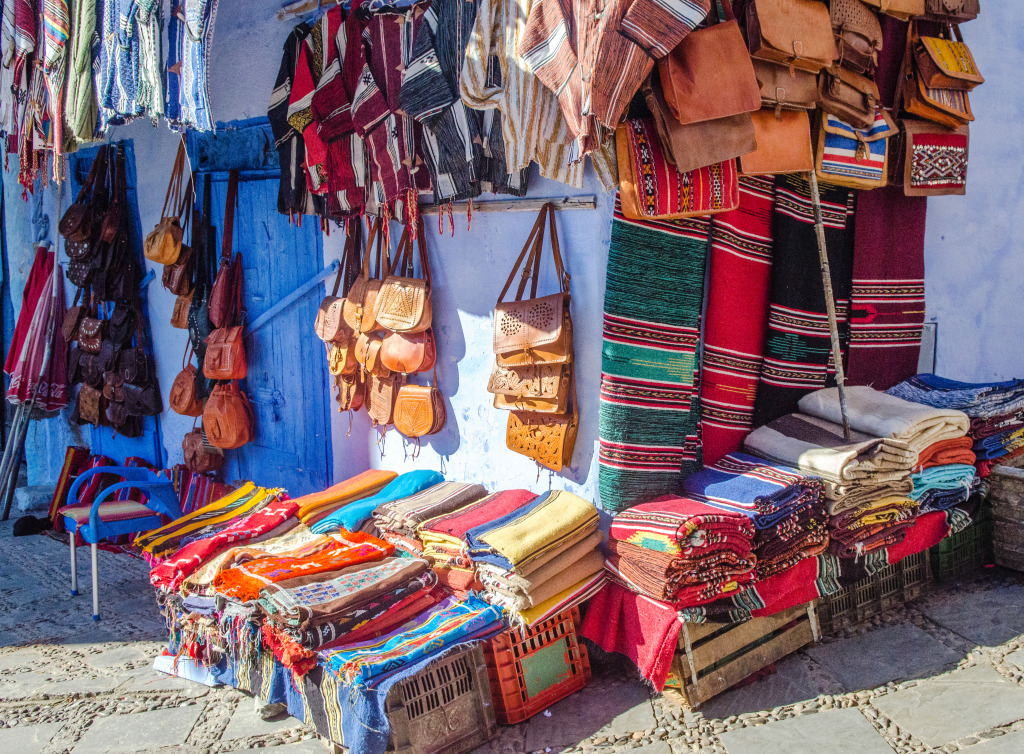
354, 515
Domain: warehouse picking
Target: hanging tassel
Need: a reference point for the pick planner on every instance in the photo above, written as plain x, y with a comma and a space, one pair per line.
469, 215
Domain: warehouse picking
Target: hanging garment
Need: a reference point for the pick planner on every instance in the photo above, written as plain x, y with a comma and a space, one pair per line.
595, 54
149, 27
887, 302
737, 312
196, 42
494, 76
80, 106
175, 48
25, 30
56, 28
119, 64
797, 352
8, 102
649, 405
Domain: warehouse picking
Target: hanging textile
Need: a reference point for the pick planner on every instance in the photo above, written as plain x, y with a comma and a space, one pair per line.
80, 108
797, 353
25, 13
56, 28
8, 102
739, 274
648, 418
887, 302
149, 27
119, 64
196, 41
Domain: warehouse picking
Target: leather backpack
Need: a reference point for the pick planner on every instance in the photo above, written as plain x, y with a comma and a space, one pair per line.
404, 302
163, 244
796, 33
76, 224
221, 300
858, 35
183, 399
227, 417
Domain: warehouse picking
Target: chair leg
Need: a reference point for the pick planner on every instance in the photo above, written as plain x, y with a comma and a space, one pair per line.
95, 585
74, 567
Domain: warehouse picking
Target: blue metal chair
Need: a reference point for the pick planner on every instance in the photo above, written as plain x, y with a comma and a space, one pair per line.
111, 518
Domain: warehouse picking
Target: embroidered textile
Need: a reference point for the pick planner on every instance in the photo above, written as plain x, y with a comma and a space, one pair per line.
56, 30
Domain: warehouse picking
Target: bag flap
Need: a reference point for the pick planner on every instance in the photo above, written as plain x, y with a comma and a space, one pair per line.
838, 77
952, 101
783, 143
883, 128
529, 323
903, 9
779, 85
401, 301
800, 28
953, 58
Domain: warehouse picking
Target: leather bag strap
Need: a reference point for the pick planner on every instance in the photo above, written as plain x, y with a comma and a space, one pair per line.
528, 249
173, 194
229, 215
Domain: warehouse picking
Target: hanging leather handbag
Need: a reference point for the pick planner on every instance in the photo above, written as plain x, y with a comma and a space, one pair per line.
76, 225
381, 401
72, 317
796, 33
854, 158
698, 145
199, 325
931, 160
783, 144
420, 410
785, 89
225, 347
222, 293
117, 415
944, 63
409, 352
227, 417
163, 244
91, 405
367, 353
404, 303
90, 333
183, 399
113, 387
709, 75
549, 439
143, 400
558, 403
122, 324
351, 392
948, 107
200, 456
904, 10
651, 188
858, 35
548, 382
534, 330
179, 317
115, 217
359, 309
952, 11
75, 357
853, 98
177, 277
341, 359
136, 366
330, 325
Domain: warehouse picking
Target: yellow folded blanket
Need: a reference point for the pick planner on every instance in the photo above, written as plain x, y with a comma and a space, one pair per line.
216, 512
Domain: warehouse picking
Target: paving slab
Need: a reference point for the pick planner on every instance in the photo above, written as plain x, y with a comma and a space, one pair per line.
1011, 743
892, 653
27, 739
22, 685
149, 681
843, 731
791, 682
658, 747
116, 656
1016, 658
988, 618
119, 734
614, 709
21, 658
963, 703
79, 686
245, 722
309, 746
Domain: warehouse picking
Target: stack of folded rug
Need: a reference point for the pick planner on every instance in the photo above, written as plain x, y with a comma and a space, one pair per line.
353, 516
682, 551
939, 488
319, 505
546, 550
872, 526
444, 537
784, 504
397, 520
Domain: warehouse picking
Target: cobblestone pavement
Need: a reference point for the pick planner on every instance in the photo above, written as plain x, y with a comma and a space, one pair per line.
945, 673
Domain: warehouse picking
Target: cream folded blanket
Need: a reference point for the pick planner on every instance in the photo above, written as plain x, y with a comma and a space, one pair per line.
516, 601
839, 498
539, 572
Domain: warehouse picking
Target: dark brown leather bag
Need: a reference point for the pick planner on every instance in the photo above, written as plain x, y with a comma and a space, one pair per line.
709, 74
227, 417
76, 225
143, 400
786, 89
858, 35
183, 399
222, 295
178, 277
72, 318
419, 410
852, 98
901, 9
91, 405
796, 33
90, 334
409, 352
200, 456
783, 144
952, 11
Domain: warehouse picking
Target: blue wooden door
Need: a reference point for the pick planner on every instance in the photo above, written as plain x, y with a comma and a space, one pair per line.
287, 379
104, 440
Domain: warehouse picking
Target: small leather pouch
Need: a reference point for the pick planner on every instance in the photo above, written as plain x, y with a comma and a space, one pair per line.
368, 349
200, 456
419, 410
178, 277
341, 359
183, 399
90, 334
179, 317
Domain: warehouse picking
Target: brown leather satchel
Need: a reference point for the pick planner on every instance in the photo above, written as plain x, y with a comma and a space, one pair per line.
178, 277
200, 456
359, 308
948, 107
783, 144
534, 330
381, 405
852, 98
796, 33
944, 63
901, 9
72, 318
90, 333
225, 354
858, 35
183, 399
952, 11
367, 353
351, 392
931, 160
330, 324
548, 382
404, 302
227, 417
222, 293
409, 352
113, 387
699, 144
783, 88
419, 410
341, 359
179, 317
91, 405
77, 222
709, 75
559, 404
163, 244
549, 439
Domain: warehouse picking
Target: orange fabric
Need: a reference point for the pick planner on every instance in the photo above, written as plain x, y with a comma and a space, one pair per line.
459, 580
956, 450
244, 582
362, 485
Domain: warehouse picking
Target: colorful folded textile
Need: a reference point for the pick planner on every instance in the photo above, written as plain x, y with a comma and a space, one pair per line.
779, 555
569, 598
886, 510
300, 601
353, 515
679, 525
315, 507
405, 514
867, 539
297, 536
554, 579
941, 500
817, 446
272, 517
450, 623
550, 523
444, 537
460, 580
843, 497
979, 400
343, 549
401, 613
884, 415
404, 546
684, 582
999, 445
926, 531
956, 450
951, 477
541, 569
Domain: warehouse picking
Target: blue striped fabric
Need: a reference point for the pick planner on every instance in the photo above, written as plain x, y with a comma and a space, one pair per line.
847, 156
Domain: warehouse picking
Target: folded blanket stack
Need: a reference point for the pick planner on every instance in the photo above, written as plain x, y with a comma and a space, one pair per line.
319, 505
397, 520
996, 411
352, 516
939, 488
546, 549
784, 504
682, 551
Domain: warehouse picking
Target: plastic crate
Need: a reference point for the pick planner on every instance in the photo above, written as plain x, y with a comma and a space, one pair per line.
965, 552
445, 708
874, 595
531, 670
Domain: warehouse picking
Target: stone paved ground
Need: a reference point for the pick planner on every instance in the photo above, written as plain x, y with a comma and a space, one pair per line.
943, 674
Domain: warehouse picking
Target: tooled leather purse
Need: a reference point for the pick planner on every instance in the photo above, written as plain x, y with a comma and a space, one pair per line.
225, 346
163, 244
380, 402
901, 9
91, 405
90, 332
541, 388
183, 399
948, 107
420, 410
858, 35
549, 439
359, 308
404, 302
330, 324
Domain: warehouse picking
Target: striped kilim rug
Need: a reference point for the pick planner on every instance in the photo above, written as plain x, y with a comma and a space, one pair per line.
649, 404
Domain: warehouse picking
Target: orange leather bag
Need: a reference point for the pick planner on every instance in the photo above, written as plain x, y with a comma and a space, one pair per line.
409, 352
228, 418
183, 399
361, 299
783, 144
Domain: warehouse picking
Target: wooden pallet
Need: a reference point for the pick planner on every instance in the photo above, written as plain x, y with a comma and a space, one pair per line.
1007, 497
713, 657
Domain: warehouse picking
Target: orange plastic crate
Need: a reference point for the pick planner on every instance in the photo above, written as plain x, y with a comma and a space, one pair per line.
529, 671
